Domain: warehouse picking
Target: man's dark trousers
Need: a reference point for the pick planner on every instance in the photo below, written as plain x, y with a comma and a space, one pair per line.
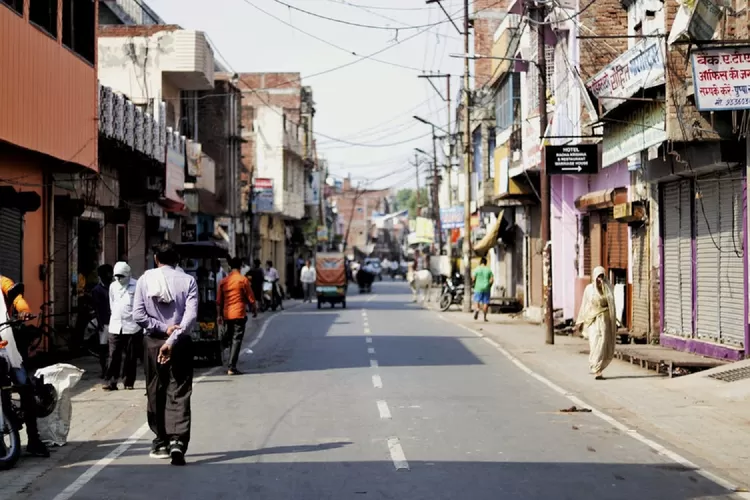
235, 333
123, 357
169, 388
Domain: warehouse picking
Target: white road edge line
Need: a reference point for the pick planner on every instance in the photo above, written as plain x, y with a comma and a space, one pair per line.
385, 412
377, 382
658, 448
397, 454
95, 469
373, 363
368, 340
370, 350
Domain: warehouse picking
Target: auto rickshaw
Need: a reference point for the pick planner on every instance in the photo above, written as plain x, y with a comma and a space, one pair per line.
330, 280
199, 259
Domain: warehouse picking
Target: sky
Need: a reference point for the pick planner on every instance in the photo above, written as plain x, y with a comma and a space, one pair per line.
368, 103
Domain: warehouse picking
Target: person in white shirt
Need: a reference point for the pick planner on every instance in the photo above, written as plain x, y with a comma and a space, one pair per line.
125, 339
307, 277
272, 275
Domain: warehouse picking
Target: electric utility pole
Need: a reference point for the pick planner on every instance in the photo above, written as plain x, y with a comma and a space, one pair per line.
467, 163
436, 193
547, 304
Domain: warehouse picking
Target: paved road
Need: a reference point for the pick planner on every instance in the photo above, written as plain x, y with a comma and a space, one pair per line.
383, 400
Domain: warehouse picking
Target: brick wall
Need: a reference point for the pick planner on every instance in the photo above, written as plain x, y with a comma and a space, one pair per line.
360, 220
487, 16
690, 124
604, 17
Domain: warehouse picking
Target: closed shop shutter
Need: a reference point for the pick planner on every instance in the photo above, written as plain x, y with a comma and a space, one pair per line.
586, 233
719, 260
677, 218
641, 287
11, 243
60, 264
617, 243
137, 239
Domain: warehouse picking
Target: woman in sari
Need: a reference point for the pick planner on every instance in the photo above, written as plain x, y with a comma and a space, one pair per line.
597, 320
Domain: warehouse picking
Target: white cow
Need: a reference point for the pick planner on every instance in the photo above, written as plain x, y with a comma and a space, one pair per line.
420, 280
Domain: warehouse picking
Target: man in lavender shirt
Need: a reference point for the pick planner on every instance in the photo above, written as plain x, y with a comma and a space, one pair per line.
166, 307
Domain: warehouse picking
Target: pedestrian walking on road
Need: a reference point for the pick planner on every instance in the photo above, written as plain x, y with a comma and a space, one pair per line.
125, 339
307, 277
235, 296
482, 279
597, 321
100, 299
166, 307
257, 277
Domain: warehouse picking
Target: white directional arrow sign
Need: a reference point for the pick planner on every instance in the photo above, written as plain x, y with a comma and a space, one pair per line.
572, 169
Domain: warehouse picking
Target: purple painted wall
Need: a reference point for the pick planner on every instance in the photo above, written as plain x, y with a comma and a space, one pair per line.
565, 262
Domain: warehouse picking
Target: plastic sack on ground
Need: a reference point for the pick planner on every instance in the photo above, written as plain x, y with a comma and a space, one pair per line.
54, 428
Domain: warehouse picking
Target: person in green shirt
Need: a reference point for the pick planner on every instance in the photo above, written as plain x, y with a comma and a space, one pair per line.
482, 280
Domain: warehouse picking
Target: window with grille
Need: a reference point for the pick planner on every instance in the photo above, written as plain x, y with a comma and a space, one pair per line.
508, 102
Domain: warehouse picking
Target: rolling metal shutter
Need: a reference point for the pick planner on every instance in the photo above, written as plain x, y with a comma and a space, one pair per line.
110, 244
677, 216
11, 243
61, 270
641, 285
719, 259
617, 243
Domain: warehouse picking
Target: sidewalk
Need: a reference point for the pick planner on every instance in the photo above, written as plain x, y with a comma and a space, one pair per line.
703, 419
98, 416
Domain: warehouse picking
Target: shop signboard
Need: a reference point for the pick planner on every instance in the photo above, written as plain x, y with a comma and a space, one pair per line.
645, 127
639, 68
312, 189
263, 196
721, 78
322, 233
572, 159
452, 218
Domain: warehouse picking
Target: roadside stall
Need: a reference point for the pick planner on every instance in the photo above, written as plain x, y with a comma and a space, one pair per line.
199, 259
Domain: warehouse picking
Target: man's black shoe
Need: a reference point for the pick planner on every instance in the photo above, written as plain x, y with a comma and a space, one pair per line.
159, 451
176, 453
37, 448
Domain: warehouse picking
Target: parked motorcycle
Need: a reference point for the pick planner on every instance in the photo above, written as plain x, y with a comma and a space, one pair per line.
11, 414
452, 293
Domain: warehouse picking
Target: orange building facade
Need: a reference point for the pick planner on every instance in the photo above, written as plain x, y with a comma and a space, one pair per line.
48, 126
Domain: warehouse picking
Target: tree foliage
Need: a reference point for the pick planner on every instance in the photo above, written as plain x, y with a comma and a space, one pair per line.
406, 199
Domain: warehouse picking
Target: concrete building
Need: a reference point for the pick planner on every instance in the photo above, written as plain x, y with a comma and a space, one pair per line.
356, 207
278, 150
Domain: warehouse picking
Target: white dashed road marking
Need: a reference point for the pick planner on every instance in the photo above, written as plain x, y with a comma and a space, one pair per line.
95, 469
377, 382
385, 412
368, 340
370, 350
397, 454
374, 363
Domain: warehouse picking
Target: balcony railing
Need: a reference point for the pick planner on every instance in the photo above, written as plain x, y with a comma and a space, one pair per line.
120, 119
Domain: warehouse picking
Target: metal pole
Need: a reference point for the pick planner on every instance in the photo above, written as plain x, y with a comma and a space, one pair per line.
449, 166
436, 193
416, 166
547, 304
467, 164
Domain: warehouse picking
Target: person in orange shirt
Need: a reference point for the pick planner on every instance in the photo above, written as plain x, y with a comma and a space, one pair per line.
234, 296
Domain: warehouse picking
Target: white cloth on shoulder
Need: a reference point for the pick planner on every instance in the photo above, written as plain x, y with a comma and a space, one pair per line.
157, 286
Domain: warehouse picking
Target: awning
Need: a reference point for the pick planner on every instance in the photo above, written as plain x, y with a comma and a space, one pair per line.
606, 198
490, 239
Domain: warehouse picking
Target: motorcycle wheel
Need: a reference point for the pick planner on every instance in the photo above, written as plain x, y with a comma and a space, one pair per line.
10, 448
445, 301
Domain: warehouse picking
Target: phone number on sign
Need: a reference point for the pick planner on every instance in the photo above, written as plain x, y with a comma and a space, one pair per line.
742, 101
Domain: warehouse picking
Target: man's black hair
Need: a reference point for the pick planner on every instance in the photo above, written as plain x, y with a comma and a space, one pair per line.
167, 254
256, 262
235, 263
104, 270
483, 261
269, 263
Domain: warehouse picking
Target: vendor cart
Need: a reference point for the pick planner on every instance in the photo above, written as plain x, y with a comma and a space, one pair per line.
199, 260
